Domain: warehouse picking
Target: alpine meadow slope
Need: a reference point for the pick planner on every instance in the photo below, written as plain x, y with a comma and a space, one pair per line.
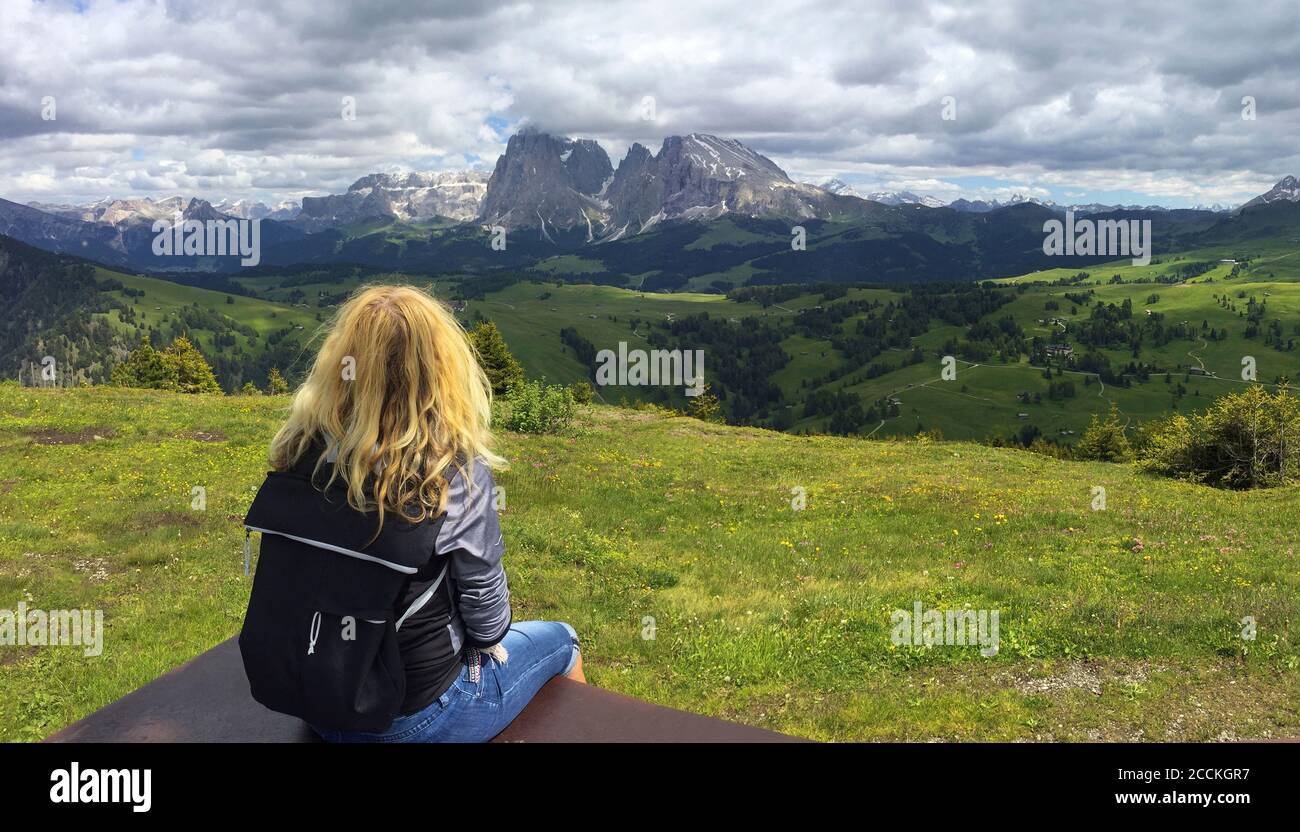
727, 571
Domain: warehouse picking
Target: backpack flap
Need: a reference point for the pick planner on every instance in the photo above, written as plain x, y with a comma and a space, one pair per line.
290, 505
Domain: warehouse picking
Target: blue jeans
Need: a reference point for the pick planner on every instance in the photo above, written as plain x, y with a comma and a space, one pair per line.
478, 711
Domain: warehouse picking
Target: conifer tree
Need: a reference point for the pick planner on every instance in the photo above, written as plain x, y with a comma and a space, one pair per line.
1104, 441
145, 367
193, 374
503, 371
275, 383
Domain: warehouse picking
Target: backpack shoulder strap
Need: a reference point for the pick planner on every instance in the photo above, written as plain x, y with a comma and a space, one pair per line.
423, 597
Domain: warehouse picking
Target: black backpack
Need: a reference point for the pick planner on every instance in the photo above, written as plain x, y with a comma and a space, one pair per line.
319, 641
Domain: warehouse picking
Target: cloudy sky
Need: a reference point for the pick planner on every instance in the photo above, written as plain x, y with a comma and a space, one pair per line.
1124, 101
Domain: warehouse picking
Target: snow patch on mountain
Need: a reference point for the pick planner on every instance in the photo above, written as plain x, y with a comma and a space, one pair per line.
1286, 190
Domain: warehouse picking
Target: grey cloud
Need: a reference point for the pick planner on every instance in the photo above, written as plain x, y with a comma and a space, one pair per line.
245, 95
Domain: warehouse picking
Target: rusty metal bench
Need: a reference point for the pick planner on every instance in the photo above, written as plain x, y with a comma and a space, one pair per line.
207, 700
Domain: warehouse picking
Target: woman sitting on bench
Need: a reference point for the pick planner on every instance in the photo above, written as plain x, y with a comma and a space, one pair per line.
396, 415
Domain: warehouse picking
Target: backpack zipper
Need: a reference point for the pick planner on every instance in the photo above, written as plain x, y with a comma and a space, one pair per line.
313, 633
397, 567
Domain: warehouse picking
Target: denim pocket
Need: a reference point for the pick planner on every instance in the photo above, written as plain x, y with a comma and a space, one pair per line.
468, 689
486, 688
421, 727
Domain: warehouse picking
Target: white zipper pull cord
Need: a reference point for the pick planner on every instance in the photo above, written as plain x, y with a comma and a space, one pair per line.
315, 631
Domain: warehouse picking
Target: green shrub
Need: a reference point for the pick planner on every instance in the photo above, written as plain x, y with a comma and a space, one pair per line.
193, 374
705, 406
1052, 449
582, 392
1245, 440
275, 383
179, 367
1104, 441
536, 407
145, 367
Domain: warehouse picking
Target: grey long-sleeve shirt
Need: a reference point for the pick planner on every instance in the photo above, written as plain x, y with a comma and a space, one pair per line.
471, 537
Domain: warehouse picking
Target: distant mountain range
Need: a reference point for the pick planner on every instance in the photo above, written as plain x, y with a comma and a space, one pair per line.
556, 192
839, 186
120, 232
248, 210
556, 183
410, 197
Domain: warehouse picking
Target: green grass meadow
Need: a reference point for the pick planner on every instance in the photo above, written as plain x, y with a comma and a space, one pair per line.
673, 546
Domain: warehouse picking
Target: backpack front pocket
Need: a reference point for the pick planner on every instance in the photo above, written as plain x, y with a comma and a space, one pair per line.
351, 674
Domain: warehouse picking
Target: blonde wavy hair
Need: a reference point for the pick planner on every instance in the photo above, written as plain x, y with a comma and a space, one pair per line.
397, 392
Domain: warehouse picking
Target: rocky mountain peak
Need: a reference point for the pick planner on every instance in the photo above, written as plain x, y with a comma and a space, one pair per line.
1286, 190
546, 181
